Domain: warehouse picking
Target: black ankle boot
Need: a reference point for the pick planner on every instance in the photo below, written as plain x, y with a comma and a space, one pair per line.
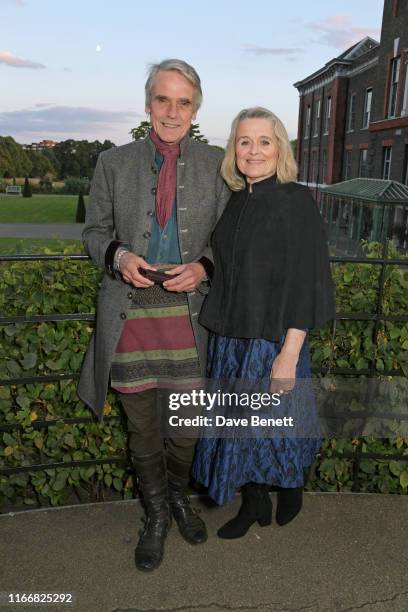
256, 506
289, 505
190, 525
151, 473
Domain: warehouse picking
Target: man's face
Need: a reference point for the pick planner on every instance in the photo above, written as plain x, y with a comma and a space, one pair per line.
172, 106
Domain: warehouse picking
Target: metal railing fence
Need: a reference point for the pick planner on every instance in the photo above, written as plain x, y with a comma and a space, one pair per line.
356, 457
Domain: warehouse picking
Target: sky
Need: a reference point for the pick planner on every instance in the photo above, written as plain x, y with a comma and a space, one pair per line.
77, 68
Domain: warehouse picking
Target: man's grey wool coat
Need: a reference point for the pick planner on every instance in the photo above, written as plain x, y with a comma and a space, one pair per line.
121, 205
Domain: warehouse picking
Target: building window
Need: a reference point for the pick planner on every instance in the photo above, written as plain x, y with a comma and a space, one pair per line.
305, 166
324, 166
347, 165
327, 115
387, 152
313, 169
392, 94
367, 108
404, 110
363, 165
405, 173
307, 121
351, 113
316, 119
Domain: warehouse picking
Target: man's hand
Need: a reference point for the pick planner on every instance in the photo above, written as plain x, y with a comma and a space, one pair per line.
129, 264
189, 277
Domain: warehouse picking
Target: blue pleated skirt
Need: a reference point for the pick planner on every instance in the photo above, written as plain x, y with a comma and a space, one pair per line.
225, 464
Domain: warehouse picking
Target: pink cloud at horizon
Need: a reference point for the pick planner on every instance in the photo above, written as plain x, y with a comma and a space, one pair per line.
9, 59
338, 31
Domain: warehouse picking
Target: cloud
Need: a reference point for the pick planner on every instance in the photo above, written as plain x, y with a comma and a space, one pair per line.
289, 53
338, 31
8, 58
52, 119
16, 2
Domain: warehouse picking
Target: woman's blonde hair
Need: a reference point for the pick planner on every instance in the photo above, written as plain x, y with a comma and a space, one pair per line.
286, 170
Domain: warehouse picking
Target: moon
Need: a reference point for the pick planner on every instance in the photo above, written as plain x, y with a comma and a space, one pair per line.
98, 48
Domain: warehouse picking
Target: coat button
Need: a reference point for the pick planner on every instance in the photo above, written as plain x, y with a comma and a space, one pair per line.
123, 315
154, 190
153, 169
130, 295
150, 213
146, 235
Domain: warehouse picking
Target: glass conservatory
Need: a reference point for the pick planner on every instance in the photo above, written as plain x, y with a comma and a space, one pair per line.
365, 209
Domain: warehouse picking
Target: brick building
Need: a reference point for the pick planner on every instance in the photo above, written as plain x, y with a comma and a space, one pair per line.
353, 112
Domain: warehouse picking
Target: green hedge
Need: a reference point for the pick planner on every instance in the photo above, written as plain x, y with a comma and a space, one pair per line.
51, 348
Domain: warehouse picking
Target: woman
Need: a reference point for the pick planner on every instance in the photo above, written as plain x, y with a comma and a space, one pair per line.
271, 284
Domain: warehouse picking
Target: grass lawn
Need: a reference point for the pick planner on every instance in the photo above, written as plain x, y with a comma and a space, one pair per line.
38, 209
26, 246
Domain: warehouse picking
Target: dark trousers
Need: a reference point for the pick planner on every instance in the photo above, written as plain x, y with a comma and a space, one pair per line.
143, 420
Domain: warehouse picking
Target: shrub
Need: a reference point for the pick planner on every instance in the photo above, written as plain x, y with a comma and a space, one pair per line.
74, 437
74, 185
80, 212
27, 192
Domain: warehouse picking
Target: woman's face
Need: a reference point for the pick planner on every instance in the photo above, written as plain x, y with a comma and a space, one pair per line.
256, 149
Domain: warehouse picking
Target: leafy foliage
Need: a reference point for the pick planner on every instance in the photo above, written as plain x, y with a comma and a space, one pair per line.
75, 158
14, 161
53, 348
27, 192
80, 213
144, 127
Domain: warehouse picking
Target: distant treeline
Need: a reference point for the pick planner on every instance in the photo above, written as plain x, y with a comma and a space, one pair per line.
74, 158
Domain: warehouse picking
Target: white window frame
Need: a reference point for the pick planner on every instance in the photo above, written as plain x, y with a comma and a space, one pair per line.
351, 119
316, 119
404, 110
386, 171
327, 115
393, 88
313, 167
305, 166
368, 102
307, 122
324, 167
347, 166
364, 164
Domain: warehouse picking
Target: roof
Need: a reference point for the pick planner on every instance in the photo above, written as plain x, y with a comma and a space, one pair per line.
372, 190
358, 49
345, 59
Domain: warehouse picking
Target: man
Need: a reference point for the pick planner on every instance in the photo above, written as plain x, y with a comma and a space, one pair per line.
154, 201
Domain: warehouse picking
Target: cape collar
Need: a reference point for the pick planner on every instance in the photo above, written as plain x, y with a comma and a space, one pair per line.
263, 186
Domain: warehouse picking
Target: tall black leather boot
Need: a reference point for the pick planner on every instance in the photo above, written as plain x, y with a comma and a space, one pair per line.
190, 525
151, 473
256, 506
289, 505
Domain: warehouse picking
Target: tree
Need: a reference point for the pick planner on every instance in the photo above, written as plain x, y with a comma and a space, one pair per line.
141, 131
14, 160
80, 212
43, 162
293, 144
78, 157
195, 133
144, 127
27, 192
